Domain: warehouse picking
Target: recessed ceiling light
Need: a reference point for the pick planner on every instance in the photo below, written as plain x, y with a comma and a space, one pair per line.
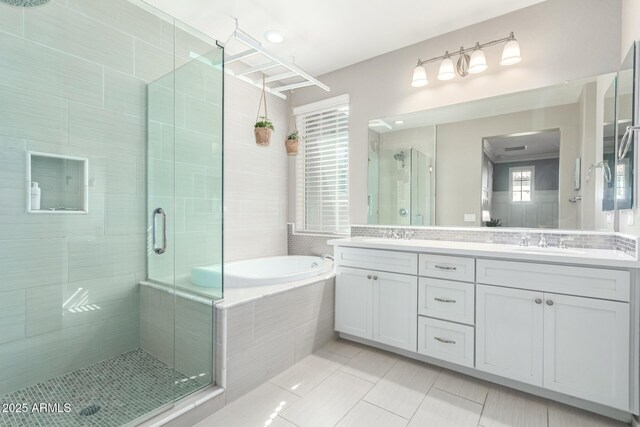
399, 122
274, 36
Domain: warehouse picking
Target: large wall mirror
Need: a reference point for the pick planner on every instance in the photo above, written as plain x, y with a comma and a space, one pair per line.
545, 158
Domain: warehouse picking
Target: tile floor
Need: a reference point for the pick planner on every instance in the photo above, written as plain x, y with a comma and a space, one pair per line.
348, 385
123, 387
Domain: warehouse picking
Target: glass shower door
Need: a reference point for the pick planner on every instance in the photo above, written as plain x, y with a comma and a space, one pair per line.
184, 206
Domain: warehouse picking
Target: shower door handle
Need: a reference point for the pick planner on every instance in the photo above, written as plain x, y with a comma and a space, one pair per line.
162, 249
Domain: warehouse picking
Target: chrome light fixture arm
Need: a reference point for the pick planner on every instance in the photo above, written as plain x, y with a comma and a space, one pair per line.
464, 50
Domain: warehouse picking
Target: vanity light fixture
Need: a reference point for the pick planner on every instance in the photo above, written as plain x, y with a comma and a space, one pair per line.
474, 64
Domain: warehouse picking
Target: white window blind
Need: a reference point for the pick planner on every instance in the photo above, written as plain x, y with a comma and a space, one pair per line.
322, 166
521, 183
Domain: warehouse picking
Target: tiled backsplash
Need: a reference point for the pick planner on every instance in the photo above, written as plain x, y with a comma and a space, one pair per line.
304, 244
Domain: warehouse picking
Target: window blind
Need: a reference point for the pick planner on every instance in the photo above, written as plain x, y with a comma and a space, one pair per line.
322, 167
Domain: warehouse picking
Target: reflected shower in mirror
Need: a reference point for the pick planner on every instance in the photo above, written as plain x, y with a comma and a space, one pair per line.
401, 187
531, 159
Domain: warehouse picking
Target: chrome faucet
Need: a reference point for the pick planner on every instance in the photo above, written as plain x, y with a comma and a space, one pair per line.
326, 257
564, 240
524, 239
542, 243
408, 234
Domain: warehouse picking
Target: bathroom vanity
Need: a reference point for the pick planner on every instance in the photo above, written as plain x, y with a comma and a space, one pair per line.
558, 322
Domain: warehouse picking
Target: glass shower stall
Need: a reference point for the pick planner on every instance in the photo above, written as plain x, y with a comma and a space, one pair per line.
111, 194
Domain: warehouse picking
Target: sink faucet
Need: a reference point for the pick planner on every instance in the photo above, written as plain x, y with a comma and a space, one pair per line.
408, 234
564, 240
524, 239
542, 243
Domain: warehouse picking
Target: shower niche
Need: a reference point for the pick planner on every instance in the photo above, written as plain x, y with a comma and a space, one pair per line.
57, 184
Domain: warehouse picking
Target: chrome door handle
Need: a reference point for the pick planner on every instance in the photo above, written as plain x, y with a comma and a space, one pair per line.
445, 268
444, 340
444, 299
162, 249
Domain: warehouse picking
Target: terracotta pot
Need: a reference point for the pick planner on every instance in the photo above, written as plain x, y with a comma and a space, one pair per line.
292, 147
263, 136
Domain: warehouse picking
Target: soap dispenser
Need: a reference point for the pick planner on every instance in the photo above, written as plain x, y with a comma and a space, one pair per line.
35, 196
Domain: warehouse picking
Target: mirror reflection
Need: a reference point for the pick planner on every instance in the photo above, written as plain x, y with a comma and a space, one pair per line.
537, 159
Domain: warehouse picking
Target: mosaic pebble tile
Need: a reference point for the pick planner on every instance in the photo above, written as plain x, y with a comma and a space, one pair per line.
125, 387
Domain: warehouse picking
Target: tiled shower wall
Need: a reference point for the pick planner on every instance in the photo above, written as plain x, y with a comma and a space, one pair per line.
73, 81
255, 177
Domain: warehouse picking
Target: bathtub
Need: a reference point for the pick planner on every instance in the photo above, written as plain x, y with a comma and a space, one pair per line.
261, 276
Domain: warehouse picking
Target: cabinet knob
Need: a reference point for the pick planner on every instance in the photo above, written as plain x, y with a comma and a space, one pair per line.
549, 302
375, 277
369, 276
538, 300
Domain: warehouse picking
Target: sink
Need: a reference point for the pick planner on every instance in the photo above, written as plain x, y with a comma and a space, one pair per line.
551, 251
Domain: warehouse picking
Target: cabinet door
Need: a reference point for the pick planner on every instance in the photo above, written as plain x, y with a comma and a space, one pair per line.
354, 302
509, 328
586, 349
395, 310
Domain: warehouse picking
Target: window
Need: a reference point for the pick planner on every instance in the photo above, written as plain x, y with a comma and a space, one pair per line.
521, 184
322, 166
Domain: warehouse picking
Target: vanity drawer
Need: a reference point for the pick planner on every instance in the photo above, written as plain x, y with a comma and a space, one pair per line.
581, 281
446, 300
447, 267
371, 259
446, 341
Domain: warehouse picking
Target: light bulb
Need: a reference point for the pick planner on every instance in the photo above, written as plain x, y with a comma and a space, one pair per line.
478, 62
419, 76
511, 53
447, 69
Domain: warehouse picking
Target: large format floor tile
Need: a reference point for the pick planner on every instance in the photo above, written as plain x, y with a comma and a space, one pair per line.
326, 404
344, 348
510, 408
254, 409
367, 415
370, 365
403, 388
309, 372
441, 409
463, 386
566, 416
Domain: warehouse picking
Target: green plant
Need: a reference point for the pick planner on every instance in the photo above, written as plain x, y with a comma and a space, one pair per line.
264, 123
293, 136
495, 222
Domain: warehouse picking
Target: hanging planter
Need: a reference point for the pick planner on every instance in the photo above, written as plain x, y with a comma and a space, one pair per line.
291, 143
263, 127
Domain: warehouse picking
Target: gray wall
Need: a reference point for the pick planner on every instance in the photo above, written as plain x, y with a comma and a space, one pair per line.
380, 87
73, 81
546, 174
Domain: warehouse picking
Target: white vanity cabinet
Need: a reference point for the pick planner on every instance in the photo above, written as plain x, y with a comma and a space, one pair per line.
378, 306
565, 329
570, 344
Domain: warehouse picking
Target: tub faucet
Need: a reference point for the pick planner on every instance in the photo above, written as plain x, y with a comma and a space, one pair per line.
542, 243
326, 257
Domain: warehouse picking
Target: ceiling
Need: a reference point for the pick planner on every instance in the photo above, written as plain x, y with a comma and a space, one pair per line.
323, 36
537, 145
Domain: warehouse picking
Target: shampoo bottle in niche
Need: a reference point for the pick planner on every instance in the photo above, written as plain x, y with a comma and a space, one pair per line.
35, 196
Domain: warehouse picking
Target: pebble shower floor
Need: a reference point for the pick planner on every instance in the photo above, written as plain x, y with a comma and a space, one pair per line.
113, 392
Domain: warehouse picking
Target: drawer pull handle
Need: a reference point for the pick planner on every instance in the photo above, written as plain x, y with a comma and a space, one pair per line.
444, 300
446, 268
538, 301
369, 276
444, 340
375, 277
549, 302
